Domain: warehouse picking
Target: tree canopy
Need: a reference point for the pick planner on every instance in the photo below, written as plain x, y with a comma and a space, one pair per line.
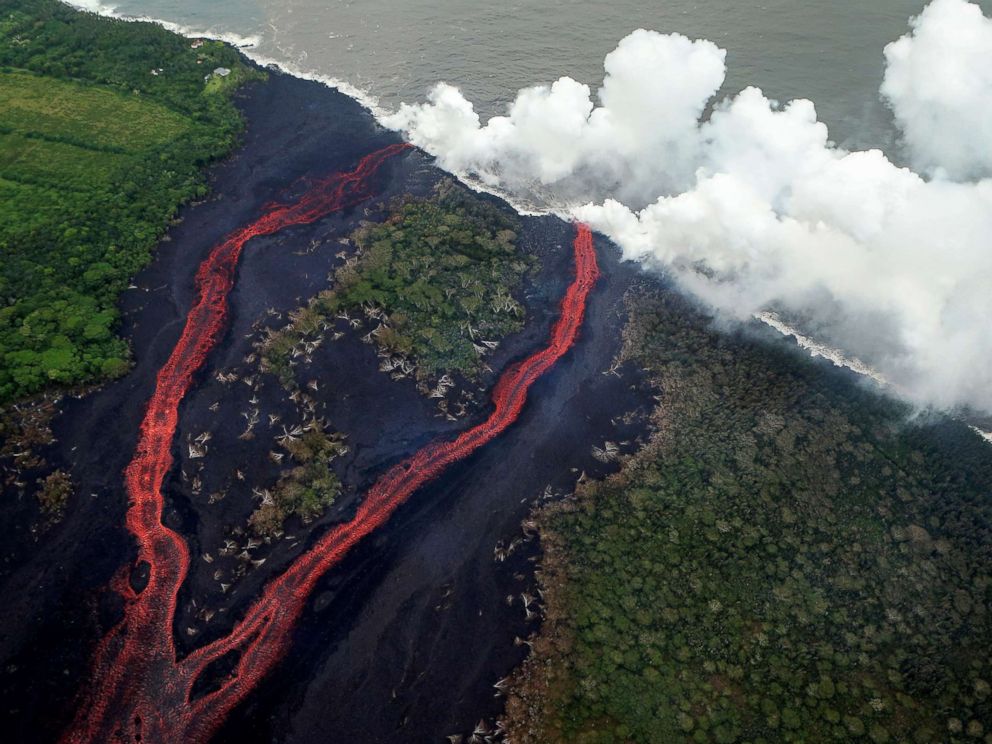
790, 559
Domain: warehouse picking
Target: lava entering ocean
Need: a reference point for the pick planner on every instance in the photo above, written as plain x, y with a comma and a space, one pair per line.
140, 690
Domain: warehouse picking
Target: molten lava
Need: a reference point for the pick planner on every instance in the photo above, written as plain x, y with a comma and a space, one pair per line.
140, 690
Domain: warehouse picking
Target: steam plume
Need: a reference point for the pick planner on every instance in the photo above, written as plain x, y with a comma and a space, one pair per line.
938, 81
754, 209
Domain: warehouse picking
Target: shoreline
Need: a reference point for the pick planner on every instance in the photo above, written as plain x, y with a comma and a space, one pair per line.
808, 347
245, 45
374, 626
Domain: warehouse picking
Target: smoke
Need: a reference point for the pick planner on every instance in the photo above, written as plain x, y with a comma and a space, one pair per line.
938, 81
755, 210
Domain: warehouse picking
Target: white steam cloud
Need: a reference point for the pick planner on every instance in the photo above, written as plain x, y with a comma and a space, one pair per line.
938, 81
641, 139
755, 210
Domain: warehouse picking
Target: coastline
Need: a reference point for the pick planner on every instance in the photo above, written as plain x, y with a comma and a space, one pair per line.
246, 45
243, 44
804, 345
409, 633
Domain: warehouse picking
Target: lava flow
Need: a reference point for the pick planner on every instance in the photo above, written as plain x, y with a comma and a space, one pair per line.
140, 690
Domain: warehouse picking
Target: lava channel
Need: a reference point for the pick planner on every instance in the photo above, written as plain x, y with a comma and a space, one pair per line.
140, 690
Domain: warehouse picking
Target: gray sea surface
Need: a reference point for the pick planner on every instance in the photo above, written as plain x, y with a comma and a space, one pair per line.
830, 51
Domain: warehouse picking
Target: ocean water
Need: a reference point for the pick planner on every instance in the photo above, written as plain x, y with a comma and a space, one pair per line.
829, 52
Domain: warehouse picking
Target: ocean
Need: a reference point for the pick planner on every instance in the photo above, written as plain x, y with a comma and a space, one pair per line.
829, 52
880, 260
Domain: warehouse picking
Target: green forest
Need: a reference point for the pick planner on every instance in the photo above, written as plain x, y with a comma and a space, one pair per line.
442, 271
105, 128
791, 559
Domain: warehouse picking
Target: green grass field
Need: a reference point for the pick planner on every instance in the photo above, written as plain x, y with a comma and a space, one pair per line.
87, 116
66, 137
96, 155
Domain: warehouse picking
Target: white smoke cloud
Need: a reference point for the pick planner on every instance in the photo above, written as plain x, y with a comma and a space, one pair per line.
655, 89
938, 81
754, 209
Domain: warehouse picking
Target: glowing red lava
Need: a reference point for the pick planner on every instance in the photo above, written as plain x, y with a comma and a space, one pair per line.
140, 690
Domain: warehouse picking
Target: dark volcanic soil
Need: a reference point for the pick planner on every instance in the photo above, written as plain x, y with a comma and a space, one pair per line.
403, 640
